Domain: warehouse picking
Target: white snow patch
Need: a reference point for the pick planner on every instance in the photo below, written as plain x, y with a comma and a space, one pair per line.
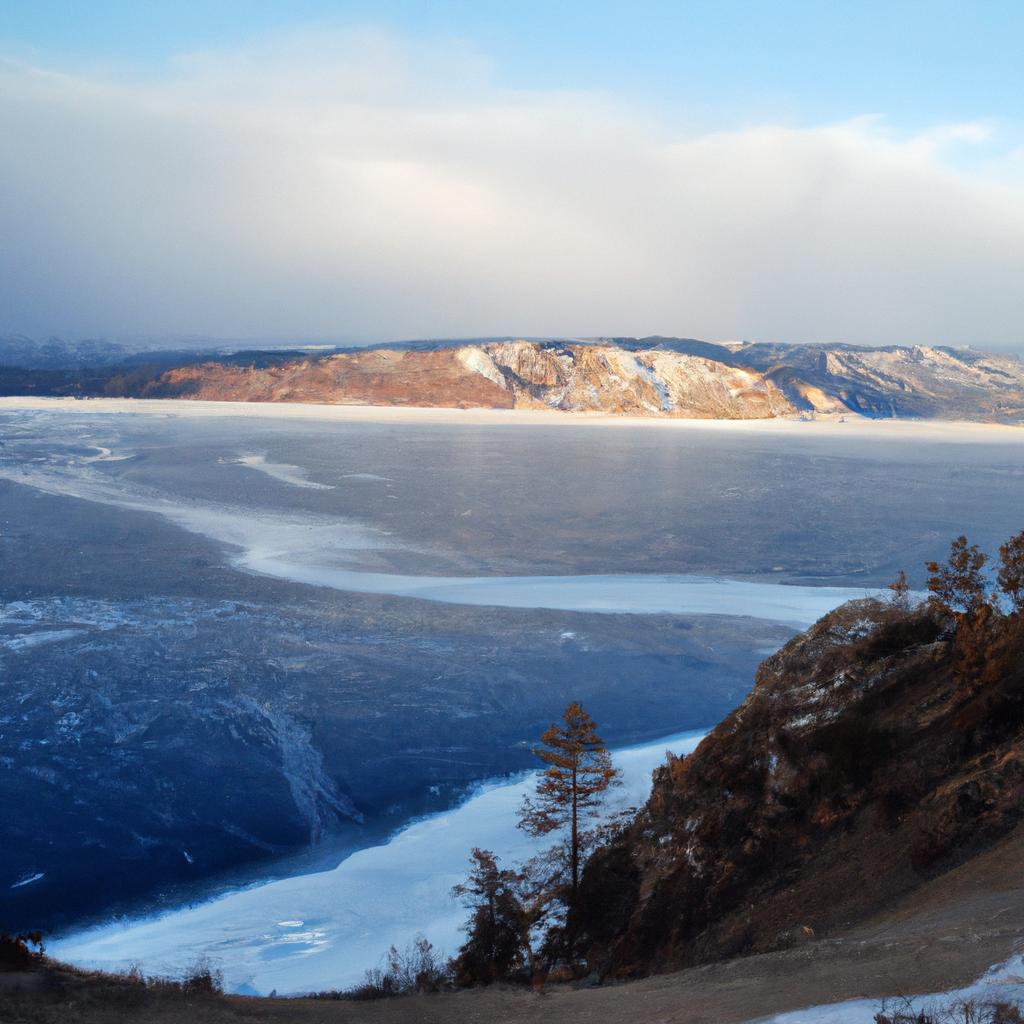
104, 455
637, 594
478, 361
29, 879
283, 471
1004, 982
349, 916
21, 641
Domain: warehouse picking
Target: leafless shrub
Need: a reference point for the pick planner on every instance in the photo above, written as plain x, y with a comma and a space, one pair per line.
202, 978
968, 1011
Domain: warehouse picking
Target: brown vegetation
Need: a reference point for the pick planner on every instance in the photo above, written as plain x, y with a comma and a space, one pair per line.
878, 749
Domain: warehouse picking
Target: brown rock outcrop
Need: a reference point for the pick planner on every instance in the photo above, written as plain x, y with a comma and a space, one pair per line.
647, 377
861, 764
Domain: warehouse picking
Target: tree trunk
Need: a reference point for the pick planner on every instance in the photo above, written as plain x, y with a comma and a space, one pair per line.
574, 853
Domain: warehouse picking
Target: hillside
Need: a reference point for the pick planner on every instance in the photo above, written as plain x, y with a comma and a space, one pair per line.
645, 377
876, 751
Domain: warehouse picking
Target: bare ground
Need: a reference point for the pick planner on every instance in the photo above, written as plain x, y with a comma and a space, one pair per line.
942, 936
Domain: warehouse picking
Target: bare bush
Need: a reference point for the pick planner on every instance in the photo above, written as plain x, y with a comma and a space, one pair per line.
419, 968
965, 1011
202, 978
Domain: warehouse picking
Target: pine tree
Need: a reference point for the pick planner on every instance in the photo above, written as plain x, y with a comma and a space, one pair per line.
508, 905
569, 792
493, 947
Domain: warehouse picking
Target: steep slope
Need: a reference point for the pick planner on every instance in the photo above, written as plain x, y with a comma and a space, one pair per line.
869, 757
502, 375
637, 377
655, 377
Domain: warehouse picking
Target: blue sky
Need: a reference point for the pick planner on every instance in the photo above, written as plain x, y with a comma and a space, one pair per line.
786, 171
916, 63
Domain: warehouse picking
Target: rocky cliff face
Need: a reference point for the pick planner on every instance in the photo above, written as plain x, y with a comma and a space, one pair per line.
866, 759
650, 377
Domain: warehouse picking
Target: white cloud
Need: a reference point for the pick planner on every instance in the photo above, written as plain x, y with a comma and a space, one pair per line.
348, 185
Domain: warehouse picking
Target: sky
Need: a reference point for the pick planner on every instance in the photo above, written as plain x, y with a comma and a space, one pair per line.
361, 172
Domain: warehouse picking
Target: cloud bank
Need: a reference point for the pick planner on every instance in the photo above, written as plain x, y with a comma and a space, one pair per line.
348, 185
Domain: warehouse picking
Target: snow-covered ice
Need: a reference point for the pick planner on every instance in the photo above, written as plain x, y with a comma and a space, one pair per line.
916, 430
29, 879
318, 550
318, 931
637, 594
21, 641
1003, 982
283, 471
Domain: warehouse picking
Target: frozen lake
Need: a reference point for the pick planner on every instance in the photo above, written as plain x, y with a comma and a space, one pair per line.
321, 931
360, 614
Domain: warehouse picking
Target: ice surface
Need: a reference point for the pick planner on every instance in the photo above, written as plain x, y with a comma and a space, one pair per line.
933, 430
319, 931
307, 548
285, 472
643, 595
20, 641
29, 879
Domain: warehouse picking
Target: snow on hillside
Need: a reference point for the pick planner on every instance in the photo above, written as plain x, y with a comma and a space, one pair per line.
1001, 983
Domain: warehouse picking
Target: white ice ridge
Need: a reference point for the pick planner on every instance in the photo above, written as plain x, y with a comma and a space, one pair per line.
283, 471
314, 550
321, 931
636, 594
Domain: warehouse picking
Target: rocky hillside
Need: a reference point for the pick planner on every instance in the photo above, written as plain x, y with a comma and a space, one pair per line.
646, 377
875, 751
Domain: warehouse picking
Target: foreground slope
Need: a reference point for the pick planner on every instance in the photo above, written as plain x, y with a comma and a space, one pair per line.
852, 830
877, 750
944, 935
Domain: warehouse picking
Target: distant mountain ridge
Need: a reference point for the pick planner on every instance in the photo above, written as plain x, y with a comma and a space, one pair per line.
662, 377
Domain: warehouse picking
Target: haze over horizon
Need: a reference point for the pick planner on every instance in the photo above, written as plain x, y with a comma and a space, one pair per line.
355, 173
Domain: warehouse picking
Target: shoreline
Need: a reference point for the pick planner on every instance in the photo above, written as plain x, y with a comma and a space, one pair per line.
852, 426
319, 929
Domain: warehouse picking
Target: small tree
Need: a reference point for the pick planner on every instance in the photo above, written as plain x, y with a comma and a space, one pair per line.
899, 596
958, 586
1011, 573
493, 949
508, 907
569, 793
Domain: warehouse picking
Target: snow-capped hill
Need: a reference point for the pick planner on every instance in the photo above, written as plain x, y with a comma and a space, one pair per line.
622, 376
657, 377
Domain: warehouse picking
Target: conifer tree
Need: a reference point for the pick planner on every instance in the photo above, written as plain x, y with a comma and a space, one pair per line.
569, 792
507, 906
492, 950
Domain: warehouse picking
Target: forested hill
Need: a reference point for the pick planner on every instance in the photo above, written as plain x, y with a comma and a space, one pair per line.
622, 376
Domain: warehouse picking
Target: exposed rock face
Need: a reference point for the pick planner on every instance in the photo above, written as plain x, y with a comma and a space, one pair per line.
374, 377
860, 764
652, 377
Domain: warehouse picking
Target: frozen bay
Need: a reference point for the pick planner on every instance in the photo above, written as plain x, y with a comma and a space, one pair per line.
322, 931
